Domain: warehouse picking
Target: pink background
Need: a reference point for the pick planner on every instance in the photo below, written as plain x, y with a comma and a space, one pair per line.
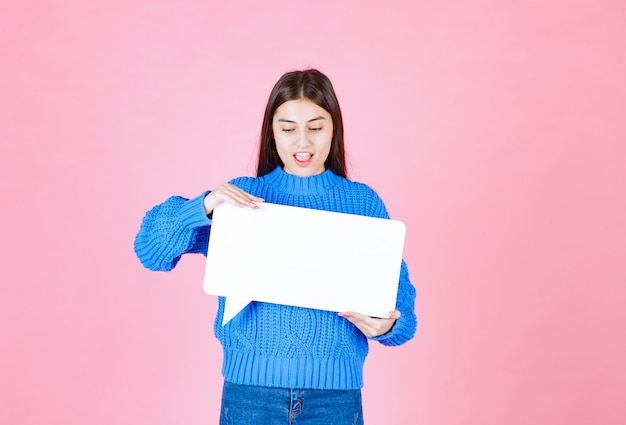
495, 130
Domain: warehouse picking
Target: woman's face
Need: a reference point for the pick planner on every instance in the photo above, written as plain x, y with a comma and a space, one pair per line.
303, 132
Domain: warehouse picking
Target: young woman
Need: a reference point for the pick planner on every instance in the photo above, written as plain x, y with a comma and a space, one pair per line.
285, 364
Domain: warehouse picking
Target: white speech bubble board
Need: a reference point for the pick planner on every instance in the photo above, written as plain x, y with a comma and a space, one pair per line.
305, 258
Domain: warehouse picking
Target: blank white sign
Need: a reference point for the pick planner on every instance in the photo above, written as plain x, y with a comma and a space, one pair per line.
303, 257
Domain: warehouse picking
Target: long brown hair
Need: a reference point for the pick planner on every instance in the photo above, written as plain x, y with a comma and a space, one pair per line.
315, 86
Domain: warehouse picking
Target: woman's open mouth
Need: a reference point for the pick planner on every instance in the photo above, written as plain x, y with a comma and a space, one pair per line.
303, 158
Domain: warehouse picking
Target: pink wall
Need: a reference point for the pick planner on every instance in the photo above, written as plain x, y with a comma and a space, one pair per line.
494, 129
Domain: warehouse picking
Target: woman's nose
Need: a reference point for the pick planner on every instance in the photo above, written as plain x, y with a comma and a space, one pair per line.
302, 140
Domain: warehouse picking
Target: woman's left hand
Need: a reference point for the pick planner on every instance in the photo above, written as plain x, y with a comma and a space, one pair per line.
371, 326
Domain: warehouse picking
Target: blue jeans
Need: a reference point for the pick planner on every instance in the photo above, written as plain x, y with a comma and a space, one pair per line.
251, 405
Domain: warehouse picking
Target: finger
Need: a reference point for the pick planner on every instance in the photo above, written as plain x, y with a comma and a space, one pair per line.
234, 195
395, 315
359, 320
358, 323
251, 201
227, 193
354, 315
243, 198
371, 326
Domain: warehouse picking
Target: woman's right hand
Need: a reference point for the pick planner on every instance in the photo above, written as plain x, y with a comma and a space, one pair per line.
229, 193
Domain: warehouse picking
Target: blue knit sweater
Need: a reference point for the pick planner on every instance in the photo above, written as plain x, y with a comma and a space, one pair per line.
269, 344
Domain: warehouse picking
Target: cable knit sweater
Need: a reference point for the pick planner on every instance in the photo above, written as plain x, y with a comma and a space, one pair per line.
269, 344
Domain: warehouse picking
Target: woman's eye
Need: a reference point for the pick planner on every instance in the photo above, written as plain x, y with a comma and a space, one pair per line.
288, 130
315, 128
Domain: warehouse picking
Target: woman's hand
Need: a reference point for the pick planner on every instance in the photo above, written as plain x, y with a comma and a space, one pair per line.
371, 326
229, 193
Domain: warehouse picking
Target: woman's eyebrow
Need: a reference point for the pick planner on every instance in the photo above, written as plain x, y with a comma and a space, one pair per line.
293, 122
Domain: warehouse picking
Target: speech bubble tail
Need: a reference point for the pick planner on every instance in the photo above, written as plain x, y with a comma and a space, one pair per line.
233, 306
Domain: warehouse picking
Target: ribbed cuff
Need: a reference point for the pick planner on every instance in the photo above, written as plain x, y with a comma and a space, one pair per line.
192, 215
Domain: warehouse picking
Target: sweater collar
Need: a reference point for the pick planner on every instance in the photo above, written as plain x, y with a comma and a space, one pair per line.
295, 185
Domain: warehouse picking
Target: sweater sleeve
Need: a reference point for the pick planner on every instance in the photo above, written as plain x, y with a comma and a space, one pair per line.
171, 229
404, 328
